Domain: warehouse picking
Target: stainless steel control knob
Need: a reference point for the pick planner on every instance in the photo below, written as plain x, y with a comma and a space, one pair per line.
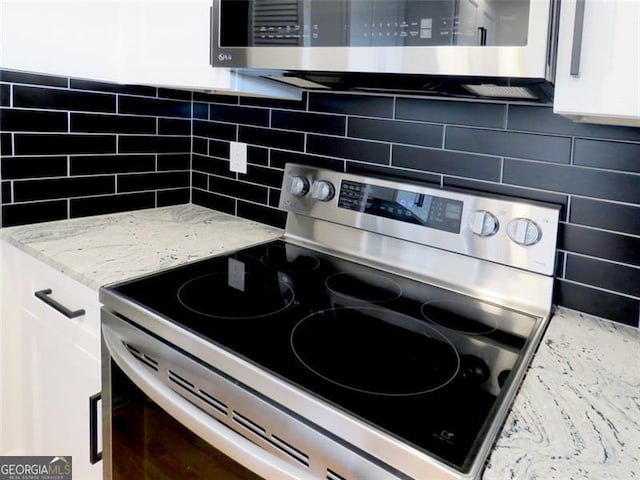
322, 190
483, 223
524, 231
299, 186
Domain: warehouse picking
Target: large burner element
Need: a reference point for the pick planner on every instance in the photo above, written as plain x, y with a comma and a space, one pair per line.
364, 287
231, 295
375, 351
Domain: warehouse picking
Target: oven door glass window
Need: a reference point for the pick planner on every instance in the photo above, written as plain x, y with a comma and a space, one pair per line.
147, 443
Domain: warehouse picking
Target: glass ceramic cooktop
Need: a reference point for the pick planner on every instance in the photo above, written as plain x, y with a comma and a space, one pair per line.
423, 364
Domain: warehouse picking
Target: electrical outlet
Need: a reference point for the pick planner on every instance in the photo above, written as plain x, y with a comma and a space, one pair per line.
238, 157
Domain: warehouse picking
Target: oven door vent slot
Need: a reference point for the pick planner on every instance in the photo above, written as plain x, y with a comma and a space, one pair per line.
190, 388
331, 475
290, 450
148, 361
178, 379
250, 425
212, 401
285, 447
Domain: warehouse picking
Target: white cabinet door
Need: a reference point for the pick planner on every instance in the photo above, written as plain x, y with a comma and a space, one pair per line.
61, 378
50, 364
144, 42
606, 86
69, 38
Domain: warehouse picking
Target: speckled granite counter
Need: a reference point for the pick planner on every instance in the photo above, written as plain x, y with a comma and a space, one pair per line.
110, 248
576, 417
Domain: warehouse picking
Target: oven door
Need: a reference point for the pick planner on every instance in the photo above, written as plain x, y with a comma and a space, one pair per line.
150, 431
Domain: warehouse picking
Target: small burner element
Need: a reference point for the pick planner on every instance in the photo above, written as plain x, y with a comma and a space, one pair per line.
235, 296
364, 287
464, 317
375, 351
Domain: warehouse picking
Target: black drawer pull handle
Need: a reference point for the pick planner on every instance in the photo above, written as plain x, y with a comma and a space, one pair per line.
44, 296
94, 455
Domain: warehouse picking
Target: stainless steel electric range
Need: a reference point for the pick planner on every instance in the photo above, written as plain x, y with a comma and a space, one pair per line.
384, 336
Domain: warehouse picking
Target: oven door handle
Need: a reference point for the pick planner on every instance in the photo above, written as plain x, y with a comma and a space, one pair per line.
208, 428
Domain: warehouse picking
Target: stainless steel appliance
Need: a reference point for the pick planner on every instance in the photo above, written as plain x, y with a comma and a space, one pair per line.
383, 336
329, 41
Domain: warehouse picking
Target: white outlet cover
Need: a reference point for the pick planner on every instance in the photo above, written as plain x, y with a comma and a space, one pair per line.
238, 157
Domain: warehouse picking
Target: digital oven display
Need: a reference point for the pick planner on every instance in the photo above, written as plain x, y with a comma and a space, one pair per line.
410, 207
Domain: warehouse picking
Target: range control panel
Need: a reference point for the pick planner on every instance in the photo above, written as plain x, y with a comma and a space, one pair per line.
402, 205
505, 230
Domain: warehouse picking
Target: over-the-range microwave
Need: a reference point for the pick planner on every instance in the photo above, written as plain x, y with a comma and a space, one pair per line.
368, 42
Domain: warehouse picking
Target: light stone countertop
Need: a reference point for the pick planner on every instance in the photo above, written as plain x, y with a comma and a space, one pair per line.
576, 417
109, 248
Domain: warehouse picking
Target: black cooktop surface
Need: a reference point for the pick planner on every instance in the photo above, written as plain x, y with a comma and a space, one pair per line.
424, 364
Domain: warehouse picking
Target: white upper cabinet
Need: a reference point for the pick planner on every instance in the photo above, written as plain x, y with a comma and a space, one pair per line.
146, 42
598, 69
78, 39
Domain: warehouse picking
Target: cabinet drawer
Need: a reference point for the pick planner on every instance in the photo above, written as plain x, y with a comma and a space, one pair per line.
57, 292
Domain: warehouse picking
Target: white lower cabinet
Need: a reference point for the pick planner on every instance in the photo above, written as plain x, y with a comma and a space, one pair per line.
50, 365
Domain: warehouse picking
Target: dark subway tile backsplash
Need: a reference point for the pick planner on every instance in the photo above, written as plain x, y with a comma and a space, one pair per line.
308, 122
267, 137
101, 164
482, 167
603, 184
128, 147
154, 106
179, 196
12, 168
84, 207
531, 118
61, 99
153, 144
21, 213
511, 144
50, 144
214, 201
66, 145
94, 123
33, 120
490, 115
422, 134
363, 105
6, 144
28, 190
79, 84
174, 161
597, 302
32, 78
365, 151
611, 276
5, 95
222, 131
609, 155
607, 215
152, 181
242, 115
601, 244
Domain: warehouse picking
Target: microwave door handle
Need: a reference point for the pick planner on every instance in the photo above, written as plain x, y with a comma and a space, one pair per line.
578, 28
211, 36
215, 433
